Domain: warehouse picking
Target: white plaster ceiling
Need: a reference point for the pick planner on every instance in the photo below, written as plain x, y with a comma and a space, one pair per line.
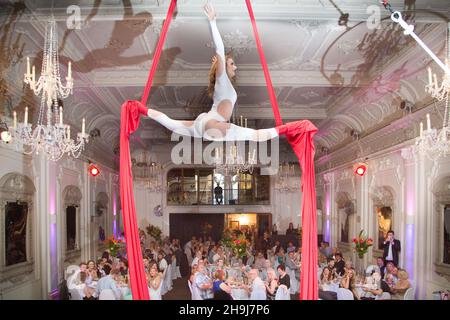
340, 77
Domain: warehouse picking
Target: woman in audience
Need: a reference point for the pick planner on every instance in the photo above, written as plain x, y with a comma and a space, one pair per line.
162, 262
326, 289
198, 257
283, 276
259, 261
123, 267
193, 271
298, 255
154, 284
348, 282
92, 270
281, 257
271, 284
222, 291
398, 290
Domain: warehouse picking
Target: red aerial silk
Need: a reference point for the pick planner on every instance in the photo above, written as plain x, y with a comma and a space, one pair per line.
129, 122
300, 136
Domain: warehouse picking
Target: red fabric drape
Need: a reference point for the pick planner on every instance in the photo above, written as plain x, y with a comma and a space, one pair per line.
300, 136
129, 122
272, 96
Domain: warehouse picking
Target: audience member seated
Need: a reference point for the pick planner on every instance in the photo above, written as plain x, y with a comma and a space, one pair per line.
123, 267
325, 249
339, 264
221, 290
259, 261
154, 282
203, 283
198, 257
276, 247
257, 289
327, 288
283, 277
193, 272
271, 284
349, 282
162, 262
291, 264
92, 270
110, 282
398, 289
290, 248
381, 266
281, 257
263, 272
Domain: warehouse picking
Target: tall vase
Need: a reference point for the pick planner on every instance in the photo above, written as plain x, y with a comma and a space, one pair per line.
360, 267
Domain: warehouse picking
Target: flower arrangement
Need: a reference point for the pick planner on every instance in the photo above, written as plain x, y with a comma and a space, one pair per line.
362, 244
113, 245
226, 238
154, 231
239, 246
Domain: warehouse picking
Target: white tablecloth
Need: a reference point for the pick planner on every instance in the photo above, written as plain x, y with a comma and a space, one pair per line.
239, 294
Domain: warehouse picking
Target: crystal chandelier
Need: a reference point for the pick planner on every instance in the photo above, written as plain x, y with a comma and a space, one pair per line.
52, 137
232, 161
285, 172
433, 142
143, 167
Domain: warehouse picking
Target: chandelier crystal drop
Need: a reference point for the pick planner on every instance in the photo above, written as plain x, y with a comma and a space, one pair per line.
50, 135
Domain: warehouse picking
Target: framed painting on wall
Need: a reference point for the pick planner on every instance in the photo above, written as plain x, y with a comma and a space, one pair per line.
234, 225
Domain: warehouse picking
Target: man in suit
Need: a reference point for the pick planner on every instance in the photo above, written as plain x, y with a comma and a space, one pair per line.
391, 248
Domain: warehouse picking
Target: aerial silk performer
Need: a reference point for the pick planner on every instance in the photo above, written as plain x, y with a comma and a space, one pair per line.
213, 126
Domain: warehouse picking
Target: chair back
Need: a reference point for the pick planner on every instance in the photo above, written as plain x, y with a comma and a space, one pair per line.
344, 294
107, 294
74, 294
409, 294
282, 293
196, 293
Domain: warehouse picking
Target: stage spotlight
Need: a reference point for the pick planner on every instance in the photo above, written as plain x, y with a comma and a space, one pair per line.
361, 169
93, 170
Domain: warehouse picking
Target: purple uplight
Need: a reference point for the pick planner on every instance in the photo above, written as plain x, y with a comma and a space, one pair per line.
409, 252
53, 257
327, 231
115, 228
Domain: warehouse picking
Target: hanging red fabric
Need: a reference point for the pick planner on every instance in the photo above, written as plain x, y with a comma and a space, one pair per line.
129, 122
300, 136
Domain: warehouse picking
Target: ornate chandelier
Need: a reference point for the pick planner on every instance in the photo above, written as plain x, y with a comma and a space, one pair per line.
233, 161
285, 172
433, 142
52, 137
143, 167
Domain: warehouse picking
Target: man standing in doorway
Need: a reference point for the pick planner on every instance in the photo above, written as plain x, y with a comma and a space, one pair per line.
392, 248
